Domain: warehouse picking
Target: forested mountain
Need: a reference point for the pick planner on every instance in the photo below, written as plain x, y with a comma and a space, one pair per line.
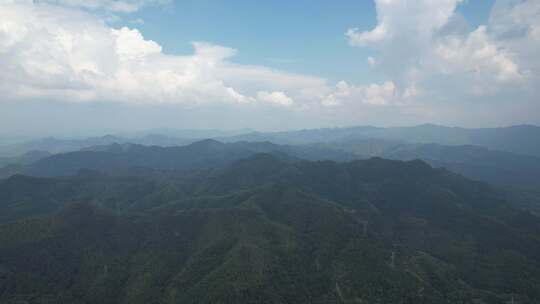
492, 166
266, 229
199, 155
260, 222
269, 152
523, 139
475, 162
55, 145
26, 158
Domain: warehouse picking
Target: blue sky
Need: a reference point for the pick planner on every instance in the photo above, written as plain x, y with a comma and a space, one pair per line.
75, 65
299, 36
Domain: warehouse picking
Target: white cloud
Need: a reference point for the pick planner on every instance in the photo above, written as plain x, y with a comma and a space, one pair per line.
371, 61
357, 38
278, 98
425, 54
396, 18
411, 92
380, 94
130, 45
371, 95
478, 54
50, 52
430, 53
59, 53
515, 26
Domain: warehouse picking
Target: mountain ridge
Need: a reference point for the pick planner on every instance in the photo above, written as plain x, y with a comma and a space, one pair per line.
268, 230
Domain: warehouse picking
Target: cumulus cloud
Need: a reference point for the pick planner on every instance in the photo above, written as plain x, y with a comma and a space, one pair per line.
278, 98
371, 95
371, 61
428, 62
515, 25
431, 54
477, 54
130, 44
59, 53
51, 52
397, 18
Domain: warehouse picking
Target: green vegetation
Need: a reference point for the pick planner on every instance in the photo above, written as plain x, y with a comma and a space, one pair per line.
266, 229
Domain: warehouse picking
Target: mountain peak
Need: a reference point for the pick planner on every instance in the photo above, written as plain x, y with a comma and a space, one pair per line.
207, 143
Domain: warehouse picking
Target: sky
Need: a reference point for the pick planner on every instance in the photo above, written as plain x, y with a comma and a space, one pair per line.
94, 66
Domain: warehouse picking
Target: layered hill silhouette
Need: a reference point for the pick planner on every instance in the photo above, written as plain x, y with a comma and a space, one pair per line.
492, 166
202, 154
521, 139
475, 162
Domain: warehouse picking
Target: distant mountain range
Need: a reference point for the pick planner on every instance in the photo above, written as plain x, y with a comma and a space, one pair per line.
353, 215
498, 167
518, 173
26, 158
155, 137
55, 145
199, 155
478, 163
523, 139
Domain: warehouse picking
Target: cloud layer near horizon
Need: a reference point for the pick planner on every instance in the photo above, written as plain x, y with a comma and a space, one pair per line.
434, 68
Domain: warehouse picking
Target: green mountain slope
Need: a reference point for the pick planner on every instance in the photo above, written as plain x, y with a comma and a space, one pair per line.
202, 154
267, 230
475, 162
522, 139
